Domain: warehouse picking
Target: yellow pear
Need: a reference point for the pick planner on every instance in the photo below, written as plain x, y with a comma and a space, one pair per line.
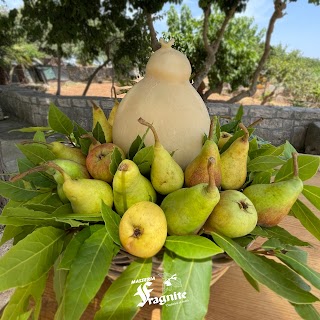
99, 116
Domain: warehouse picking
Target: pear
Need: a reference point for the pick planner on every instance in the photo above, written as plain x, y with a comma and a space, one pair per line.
197, 172
187, 209
130, 187
274, 201
234, 215
99, 116
62, 151
166, 175
224, 137
234, 162
85, 195
113, 111
143, 229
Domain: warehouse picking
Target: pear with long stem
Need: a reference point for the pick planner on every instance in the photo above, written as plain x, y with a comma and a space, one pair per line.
166, 175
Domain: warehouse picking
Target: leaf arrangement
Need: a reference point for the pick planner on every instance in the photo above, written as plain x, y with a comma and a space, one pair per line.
80, 248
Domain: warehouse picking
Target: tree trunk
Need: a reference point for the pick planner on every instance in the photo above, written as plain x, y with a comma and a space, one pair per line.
93, 75
279, 6
3, 76
155, 45
59, 71
212, 48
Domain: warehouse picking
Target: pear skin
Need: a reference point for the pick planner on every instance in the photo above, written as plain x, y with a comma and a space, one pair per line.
143, 229
234, 216
99, 116
62, 151
85, 195
187, 209
130, 187
113, 112
166, 175
196, 172
274, 201
224, 137
234, 162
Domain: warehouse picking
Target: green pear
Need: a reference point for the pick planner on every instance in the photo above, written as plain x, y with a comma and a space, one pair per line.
234, 162
85, 195
143, 229
166, 175
274, 201
234, 215
224, 137
196, 172
62, 151
99, 116
187, 209
130, 187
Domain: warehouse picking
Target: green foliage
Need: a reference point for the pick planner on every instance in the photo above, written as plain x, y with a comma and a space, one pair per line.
238, 53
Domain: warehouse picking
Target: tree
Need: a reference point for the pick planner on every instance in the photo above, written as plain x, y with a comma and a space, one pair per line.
238, 53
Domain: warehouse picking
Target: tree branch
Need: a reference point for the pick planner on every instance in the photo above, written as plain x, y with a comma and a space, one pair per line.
154, 41
279, 6
214, 46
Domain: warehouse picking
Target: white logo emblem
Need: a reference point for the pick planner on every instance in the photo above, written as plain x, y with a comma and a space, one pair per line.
144, 293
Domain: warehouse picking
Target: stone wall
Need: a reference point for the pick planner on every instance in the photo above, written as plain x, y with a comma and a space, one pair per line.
279, 124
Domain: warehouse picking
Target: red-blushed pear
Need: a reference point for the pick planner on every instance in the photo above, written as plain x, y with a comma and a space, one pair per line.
99, 159
234, 215
187, 209
143, 229
234, 162
274, 201
196, 171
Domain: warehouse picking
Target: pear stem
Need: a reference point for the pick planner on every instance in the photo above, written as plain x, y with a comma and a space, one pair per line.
24, 174
212, 126
212, 183
94, 141
150, 126
94, 105
295, 164
255, 123
246, 132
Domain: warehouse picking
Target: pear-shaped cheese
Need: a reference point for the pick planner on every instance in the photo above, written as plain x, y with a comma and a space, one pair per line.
166, 99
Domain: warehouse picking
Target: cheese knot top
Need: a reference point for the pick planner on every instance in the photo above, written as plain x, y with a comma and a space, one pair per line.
168, 64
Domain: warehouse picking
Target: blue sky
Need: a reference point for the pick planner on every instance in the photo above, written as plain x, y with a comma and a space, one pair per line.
298, 29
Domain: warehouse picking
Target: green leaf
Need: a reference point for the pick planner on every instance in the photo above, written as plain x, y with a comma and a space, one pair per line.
9, 233
311, 275
288, 150
192, 247
58, 121
237, 135
116, 158
307, 218
253, 145
195, 277
31, 129
39, 179
308, 167
74, 245
59, 280
135, 147
39, 137
279, 233
263, 272
254, 283
19, 301
111, 221
312, 193
230, 127
83, 143
143, 159
262, 177
306, 311
264, 163
91, 266
37, 154
98, 133
31, 258
17, 191
239, 114
121, 300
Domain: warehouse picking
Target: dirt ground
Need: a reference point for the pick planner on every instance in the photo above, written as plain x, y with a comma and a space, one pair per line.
103, 89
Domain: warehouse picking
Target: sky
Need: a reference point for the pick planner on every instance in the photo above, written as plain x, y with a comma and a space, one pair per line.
298, 29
